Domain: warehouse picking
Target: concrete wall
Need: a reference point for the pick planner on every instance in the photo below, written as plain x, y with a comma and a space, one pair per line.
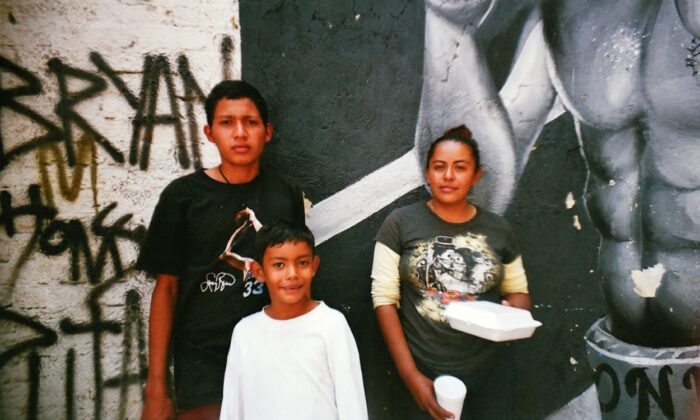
101, 107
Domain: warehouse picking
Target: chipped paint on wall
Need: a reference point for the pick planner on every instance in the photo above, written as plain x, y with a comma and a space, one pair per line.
648, 280
570, 201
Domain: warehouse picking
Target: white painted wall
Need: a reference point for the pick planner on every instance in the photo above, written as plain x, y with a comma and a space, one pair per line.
37, 288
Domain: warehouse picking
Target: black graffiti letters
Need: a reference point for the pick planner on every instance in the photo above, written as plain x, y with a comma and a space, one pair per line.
226, 57
147, 116
155, 69
134, 333
35, 209
691, 379
71, 235
97, 326
193, 93
66, 112
42, 337
31, 87
607, 370
56, 236
639, 386
637, 383
87, 251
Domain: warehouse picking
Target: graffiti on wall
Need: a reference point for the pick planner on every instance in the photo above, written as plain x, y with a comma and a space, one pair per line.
156, 72
70, 224
637, 385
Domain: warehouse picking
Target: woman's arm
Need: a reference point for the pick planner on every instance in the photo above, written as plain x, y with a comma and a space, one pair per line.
420, 386
517, 300
386, 296
158, 404
514, 287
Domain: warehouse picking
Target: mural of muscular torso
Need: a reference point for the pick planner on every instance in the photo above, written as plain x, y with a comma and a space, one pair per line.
624, 72
628, 72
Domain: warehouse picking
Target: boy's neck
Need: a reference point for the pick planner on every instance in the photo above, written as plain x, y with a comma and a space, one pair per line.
283, 312
232, 174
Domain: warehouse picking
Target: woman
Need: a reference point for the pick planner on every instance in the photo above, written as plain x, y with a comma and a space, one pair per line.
431, 253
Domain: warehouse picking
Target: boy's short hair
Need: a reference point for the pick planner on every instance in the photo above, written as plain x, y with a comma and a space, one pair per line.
279, 232
234, 89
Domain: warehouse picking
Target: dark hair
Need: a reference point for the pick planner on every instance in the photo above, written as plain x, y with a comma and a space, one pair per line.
234, 89
459, 134
279, 232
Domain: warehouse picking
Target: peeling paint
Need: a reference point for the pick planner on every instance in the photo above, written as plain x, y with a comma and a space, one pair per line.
646, 281
577, 223
570, 202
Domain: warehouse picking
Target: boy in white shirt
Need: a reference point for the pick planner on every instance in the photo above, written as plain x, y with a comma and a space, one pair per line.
295, 359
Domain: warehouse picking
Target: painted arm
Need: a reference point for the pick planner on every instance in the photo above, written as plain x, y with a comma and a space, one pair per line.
528, 95
158, 404
458, 88
420, 386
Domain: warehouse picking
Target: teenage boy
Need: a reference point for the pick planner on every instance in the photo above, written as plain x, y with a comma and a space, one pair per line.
295, 359
198, 243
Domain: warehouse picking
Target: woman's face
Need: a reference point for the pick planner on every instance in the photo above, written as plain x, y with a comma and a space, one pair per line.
451, 172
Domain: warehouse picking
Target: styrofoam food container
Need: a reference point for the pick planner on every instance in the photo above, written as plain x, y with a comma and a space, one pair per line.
491, 321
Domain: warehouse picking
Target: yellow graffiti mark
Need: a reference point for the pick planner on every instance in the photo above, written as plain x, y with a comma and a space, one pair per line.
86, 155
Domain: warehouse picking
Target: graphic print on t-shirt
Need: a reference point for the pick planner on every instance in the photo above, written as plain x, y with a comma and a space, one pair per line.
248, 225
448, 269
217, 282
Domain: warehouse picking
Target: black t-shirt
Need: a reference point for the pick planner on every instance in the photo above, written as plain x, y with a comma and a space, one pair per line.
190, 229
443, 262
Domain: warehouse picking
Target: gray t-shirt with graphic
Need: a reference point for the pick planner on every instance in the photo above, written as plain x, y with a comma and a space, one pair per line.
442, 262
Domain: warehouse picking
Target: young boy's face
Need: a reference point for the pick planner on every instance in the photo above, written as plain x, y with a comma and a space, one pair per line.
287, 270
238, 132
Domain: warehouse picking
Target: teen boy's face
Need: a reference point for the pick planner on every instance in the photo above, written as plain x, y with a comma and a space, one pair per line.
238, 132
287, 270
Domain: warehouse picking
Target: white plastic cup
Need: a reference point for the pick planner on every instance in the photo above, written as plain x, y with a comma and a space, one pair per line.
450, 393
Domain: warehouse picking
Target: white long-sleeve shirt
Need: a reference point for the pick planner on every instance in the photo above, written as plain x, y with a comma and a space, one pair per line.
301, 368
